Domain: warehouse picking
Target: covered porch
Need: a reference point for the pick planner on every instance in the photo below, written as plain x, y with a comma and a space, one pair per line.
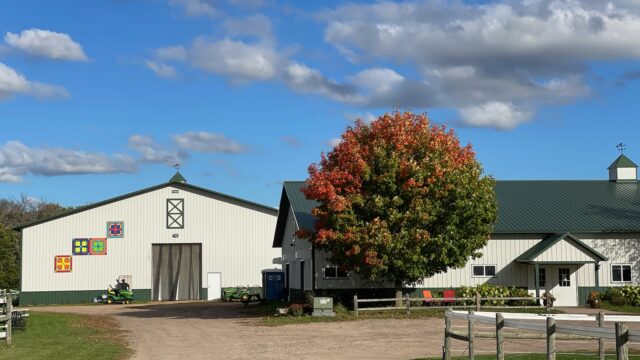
555, 262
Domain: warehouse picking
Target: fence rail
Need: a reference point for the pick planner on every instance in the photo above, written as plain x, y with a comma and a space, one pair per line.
550, 329
448, 302
6, 314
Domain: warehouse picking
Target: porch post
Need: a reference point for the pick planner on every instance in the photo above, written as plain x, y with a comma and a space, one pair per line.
597, 268
536, 275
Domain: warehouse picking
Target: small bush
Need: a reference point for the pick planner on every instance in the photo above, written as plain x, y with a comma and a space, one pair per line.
300, 309
623, 295
495, 291
339, 308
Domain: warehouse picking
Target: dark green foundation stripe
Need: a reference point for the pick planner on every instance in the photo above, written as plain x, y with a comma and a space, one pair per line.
72, 297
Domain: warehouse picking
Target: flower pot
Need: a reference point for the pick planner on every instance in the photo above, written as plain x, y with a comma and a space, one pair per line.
595, 304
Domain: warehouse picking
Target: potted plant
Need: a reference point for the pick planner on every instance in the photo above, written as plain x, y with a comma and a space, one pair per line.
594, 299
548, 299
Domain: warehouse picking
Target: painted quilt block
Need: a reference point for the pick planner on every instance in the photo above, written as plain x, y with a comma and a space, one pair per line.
80, 247
115, 229
98, 246
62, 263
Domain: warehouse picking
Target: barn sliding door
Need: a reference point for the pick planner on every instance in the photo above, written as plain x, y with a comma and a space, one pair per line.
176, 271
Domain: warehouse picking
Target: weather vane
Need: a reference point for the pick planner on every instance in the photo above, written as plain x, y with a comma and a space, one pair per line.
621, 147
177, 166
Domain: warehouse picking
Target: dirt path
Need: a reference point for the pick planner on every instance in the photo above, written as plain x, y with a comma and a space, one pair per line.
218, 331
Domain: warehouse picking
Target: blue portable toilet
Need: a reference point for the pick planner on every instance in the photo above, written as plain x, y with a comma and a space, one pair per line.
273, 284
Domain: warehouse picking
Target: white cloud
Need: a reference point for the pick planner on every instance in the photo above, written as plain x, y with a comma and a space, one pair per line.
151, 152
367, 117
45, 43
237, 60
13, 83
256, 25
495, 114
307, 80
162, 69
208, 142
334, 142
196, 8
18, 160
473, 57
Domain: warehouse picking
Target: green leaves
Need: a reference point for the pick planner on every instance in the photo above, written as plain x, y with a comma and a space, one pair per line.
401, 200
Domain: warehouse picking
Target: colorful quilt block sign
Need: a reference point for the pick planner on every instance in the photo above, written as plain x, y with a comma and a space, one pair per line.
62, 263
98, 246
115, 229
80, 247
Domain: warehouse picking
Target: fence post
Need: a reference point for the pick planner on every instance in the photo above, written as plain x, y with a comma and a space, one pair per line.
478, 302
622, 335
601, 340
447, 338
355, 305
408, 304
471, 335
499, 336
551, 338
9, 307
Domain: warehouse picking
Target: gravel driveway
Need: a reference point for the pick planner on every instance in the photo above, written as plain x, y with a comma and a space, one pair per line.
210, 330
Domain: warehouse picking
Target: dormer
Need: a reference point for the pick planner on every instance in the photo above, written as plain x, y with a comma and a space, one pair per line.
623, 169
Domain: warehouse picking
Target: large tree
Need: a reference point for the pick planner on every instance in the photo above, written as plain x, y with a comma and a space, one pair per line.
400, 200
13, 213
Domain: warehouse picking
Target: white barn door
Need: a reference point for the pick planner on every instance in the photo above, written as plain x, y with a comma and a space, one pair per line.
214, 286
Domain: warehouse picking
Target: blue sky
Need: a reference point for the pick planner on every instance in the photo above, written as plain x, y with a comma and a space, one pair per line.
100, 98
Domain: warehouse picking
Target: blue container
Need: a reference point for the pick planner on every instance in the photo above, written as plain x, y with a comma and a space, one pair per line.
273, 284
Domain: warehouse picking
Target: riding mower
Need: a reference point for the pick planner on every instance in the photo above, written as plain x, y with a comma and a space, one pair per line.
116, 296
243, 294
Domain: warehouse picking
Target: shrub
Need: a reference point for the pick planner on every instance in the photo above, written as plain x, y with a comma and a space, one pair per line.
494, 291
296, 310
623, 295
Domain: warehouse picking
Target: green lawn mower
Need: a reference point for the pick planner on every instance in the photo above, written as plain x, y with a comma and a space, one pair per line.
243, 294
121, 294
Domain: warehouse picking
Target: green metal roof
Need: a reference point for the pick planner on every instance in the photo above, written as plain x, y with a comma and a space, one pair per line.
181, 185
622, 162
547, 206
534, 206
177, 178
539, 248
293, 197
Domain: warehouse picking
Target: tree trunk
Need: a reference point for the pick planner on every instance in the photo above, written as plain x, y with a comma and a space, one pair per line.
399, 293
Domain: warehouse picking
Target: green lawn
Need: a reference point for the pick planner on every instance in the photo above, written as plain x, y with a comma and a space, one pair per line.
66, 336
266, 311
626, 309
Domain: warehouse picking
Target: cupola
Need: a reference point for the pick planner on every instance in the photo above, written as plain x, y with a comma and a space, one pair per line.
178, 178
623, 169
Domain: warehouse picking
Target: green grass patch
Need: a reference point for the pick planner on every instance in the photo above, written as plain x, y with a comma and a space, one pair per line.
67, 336
627, 309
267, 312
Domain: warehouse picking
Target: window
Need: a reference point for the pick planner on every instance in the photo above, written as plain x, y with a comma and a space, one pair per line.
484, 270
621, 273
564, 277
542, 277
175, 213
334, 272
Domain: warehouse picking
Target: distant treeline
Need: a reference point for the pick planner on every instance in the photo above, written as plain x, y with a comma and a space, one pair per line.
14, 212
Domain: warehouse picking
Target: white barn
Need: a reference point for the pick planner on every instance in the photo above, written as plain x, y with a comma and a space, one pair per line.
172, 241
566, 237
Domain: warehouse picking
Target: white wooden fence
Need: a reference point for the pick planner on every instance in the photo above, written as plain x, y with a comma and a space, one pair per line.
546, 324
6, 312
448, 302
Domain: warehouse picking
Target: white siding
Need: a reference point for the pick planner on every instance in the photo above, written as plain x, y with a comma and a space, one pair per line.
619, 248
236, 241
564, 250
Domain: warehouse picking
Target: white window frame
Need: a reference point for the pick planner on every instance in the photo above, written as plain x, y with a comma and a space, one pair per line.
484, 266
622, 281
336, 277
